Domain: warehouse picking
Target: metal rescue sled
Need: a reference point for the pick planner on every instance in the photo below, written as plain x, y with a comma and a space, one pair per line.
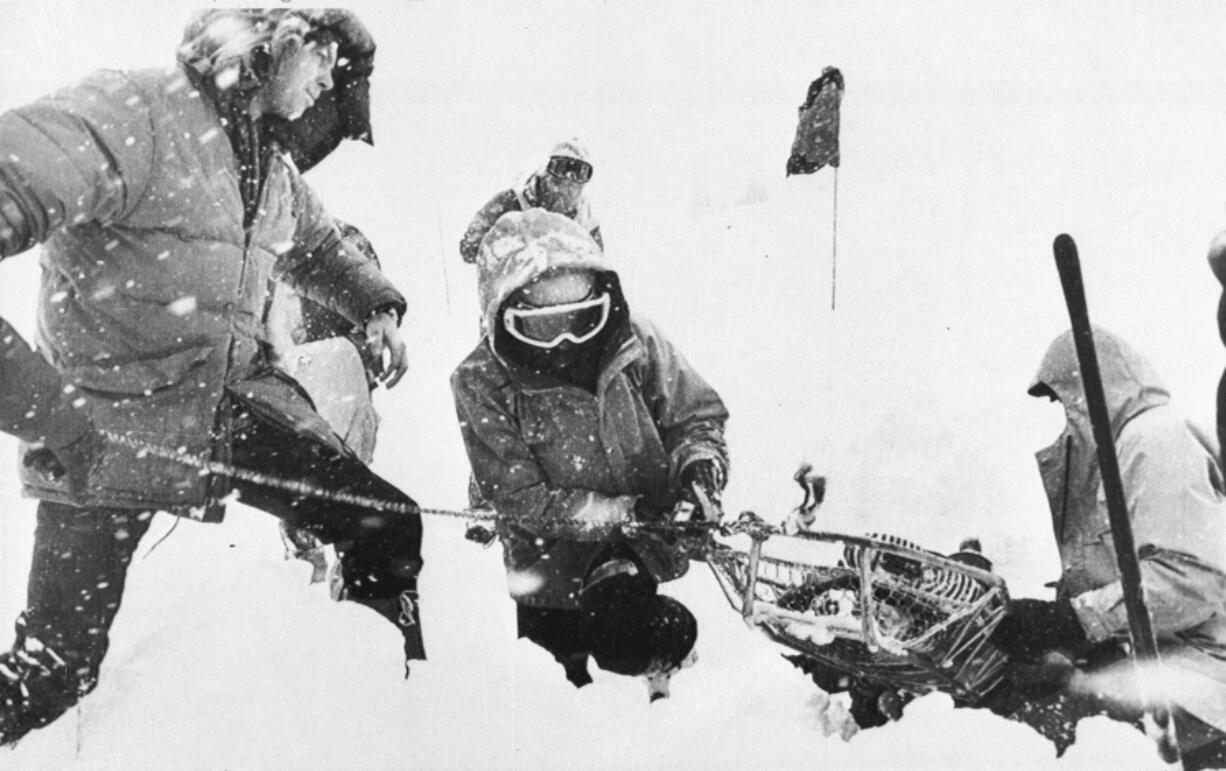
874, 607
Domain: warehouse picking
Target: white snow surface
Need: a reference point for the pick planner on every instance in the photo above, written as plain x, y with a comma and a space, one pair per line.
972, 134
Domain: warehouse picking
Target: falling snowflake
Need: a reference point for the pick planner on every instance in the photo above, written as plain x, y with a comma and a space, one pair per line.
183, 306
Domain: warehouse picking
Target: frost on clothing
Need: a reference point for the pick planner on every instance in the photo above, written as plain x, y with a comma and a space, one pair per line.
1174, 491
137, 168
520, 197
558, 462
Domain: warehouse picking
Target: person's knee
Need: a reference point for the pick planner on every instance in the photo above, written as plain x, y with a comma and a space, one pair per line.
632, 631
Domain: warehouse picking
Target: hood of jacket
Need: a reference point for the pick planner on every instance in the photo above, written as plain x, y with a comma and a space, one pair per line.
525, 245
1130, 383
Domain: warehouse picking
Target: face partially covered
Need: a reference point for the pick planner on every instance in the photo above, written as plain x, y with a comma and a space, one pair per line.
558, 309
562, 183
298, 78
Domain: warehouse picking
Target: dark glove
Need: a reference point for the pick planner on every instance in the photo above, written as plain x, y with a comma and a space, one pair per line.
1032, 628
73, 462
875, 705
703, 476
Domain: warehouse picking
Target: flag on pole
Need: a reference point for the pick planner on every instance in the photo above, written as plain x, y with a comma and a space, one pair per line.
817, 132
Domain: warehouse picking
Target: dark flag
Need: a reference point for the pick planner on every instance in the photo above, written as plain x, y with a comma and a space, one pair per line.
817, 132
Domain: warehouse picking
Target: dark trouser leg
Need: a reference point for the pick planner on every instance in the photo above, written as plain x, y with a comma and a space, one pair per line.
560, 632
380, 551
77, 575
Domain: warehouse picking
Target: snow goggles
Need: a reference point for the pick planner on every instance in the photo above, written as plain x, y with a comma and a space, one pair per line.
547, 327
569, 168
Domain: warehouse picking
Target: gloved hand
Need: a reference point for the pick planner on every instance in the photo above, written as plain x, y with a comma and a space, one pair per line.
705, 476
875, 705
1049, 675
1032, 628
71, 463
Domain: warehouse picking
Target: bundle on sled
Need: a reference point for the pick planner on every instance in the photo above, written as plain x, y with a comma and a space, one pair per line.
876, 608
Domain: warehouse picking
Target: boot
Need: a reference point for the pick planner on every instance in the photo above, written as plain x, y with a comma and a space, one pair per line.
36, 687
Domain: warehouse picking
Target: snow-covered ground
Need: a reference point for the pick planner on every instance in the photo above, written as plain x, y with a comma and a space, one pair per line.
972, 134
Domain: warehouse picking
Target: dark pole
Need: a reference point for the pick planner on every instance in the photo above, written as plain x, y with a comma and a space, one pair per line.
1144, 644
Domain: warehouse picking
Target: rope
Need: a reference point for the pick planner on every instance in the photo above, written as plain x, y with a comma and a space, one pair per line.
697, 534
295, 486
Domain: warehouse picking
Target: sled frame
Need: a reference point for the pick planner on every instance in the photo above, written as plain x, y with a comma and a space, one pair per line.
947, 651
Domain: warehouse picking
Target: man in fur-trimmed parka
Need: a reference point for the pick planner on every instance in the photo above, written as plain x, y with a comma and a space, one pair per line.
164, 204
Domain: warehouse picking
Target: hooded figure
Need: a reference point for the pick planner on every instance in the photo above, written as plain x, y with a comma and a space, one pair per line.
580, 417
557, 186
165, 203
1173, 487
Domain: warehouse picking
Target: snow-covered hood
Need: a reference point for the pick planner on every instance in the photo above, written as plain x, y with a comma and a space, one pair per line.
1130, 383
522, 246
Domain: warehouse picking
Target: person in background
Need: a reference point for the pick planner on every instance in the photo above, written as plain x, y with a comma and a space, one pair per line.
585, 427
558, 186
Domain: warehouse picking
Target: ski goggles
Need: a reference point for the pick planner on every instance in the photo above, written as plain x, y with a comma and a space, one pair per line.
547, 327
569, 168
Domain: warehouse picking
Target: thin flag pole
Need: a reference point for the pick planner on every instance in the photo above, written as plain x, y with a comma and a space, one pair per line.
834, 247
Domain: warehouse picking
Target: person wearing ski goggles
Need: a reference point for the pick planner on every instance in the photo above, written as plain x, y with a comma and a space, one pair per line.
550, 326
582, 422
573, 169
557, 186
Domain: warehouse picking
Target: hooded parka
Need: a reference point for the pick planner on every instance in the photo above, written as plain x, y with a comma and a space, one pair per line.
552, 457
1174, 490
156, 269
